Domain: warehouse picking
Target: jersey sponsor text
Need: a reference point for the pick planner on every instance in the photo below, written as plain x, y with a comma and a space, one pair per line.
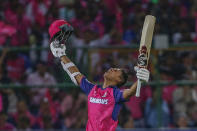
98, 100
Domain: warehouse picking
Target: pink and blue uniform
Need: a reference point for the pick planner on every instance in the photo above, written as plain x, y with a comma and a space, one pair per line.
103, 106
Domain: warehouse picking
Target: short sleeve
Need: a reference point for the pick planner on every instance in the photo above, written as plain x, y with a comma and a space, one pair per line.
86, 86
118, 95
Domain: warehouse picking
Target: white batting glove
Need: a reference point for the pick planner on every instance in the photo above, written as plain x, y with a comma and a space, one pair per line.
142, 73
58, 50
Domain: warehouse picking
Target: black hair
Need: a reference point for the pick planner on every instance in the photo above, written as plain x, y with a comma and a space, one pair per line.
125, 77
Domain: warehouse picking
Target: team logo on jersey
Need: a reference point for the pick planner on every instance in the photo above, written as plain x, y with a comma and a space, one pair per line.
98, 100
105, 94
94, 92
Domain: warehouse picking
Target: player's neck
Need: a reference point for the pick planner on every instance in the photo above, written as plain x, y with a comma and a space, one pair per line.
107, 84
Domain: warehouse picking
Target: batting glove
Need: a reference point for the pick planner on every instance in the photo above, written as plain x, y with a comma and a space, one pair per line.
142, 73
58, 50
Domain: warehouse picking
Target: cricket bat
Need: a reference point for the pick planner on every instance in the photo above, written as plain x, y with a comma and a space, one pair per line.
145, 46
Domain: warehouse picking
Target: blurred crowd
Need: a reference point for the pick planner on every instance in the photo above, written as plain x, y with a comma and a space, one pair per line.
24, 23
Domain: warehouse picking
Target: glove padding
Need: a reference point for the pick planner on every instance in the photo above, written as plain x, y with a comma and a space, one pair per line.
58, 50
142, 73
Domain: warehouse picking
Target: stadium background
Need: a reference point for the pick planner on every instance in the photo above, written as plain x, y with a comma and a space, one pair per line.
35, 93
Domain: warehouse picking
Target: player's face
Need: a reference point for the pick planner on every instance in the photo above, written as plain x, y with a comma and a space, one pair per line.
114, 74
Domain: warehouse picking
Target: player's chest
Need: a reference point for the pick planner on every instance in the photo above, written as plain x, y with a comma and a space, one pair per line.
101, 97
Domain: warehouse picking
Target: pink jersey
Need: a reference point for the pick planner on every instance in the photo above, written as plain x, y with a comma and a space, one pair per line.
103, 106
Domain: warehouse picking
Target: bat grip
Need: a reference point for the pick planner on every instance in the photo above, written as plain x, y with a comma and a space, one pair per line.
138, 88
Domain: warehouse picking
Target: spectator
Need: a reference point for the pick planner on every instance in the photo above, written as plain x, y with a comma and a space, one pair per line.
23, 113
152, 113
47, 122
136, 106
23, 123
116, 37
167, 91
67, 104
182, 96
125, 119
192, 114
129, 124
4, 79
4, 125
40, 77
182, 120
15, 67
3, 76
10, 101
6, 32
47, 115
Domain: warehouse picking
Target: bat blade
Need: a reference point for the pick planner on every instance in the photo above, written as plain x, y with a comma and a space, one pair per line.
145, 45
146, 41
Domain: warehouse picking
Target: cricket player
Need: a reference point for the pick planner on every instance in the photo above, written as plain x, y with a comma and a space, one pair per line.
104, 101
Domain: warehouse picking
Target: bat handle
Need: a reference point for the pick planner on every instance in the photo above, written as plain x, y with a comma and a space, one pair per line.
138, 88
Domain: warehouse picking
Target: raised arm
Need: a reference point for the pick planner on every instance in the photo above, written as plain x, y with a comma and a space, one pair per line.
58, 50
130, 92
142, 74
65, 60
60, 31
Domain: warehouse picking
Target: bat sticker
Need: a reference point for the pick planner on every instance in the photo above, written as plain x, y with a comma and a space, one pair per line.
143, 57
